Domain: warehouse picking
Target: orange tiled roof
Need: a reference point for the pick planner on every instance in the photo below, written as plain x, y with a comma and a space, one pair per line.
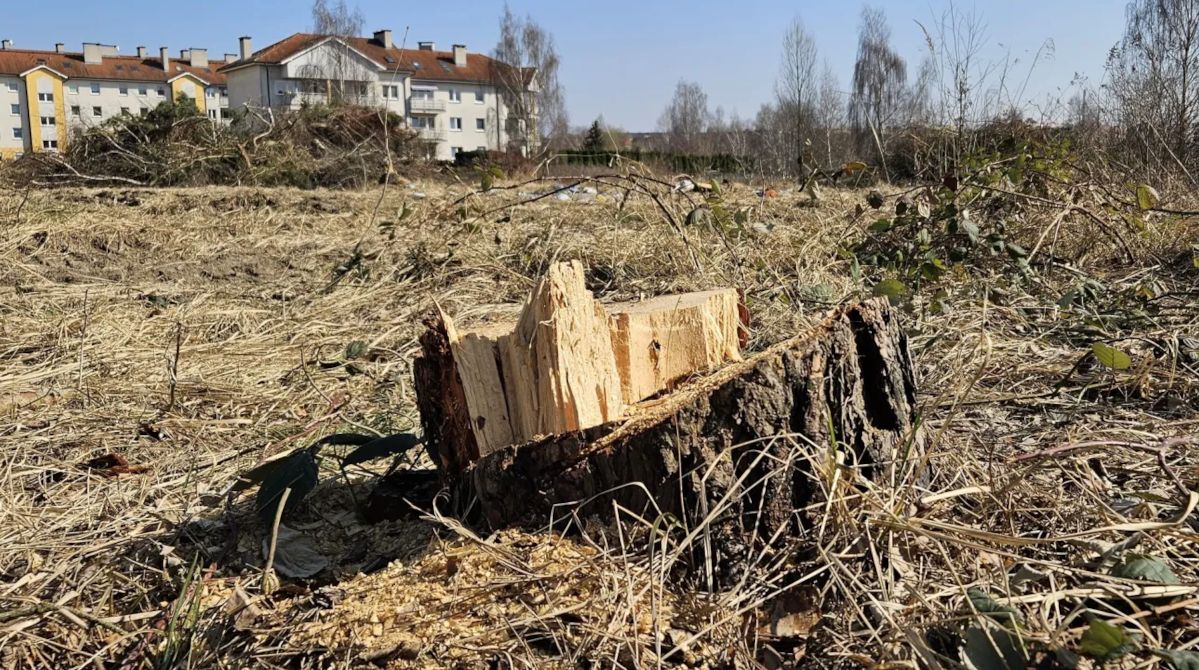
433, 65
119, 68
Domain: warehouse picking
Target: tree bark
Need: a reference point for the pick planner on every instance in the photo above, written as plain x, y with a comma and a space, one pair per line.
741, 449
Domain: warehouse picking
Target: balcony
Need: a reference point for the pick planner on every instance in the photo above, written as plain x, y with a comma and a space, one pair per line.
425, 105
431, 134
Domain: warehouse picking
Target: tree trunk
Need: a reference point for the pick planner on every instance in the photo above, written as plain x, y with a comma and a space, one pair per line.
743, 448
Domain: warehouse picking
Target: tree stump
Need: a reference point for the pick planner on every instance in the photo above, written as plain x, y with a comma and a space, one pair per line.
744, 444
741, 448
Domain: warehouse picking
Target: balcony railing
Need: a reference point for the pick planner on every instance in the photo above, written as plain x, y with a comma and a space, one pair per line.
425, 105
432, 134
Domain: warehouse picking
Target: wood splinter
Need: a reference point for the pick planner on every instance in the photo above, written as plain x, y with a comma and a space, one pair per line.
568, 363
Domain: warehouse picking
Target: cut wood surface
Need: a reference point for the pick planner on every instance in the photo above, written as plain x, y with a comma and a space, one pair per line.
663, 340
567, 363
745, 443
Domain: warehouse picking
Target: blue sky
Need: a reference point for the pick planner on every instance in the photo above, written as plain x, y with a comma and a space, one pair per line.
619, 58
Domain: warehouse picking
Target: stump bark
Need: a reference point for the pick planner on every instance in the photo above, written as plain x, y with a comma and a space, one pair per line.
740, 449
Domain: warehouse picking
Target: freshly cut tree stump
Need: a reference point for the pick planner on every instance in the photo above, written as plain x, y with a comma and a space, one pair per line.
566, 364
743, 447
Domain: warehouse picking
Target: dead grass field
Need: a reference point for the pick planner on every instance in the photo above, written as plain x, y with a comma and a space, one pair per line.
154, 343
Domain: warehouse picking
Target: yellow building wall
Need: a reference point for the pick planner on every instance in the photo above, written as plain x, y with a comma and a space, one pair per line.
200, 97
33, 108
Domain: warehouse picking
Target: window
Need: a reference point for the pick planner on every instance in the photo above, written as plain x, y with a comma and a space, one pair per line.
455, 123
422, 94
74, 89
45, 97
455, 95
224, 92
16, 109
124, 90
75, 110
96, 111
422, 122
141, 90
454, 151
17, 133
480, 124
95, 88
162, 91
124, 110
391, 92
226, 114
48, 121
12, 87
50, 144
212, 114
478, 97
481, 149
143, 111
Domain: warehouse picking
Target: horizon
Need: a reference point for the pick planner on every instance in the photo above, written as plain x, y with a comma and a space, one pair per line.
1044, 62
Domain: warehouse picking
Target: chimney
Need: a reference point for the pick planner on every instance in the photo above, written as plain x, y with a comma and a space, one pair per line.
92, 55
166, 59
5, 44
426, 46
230, 58
141, 52
244, 47
199, 57
383, 37
185, 54
460, 55
59, 47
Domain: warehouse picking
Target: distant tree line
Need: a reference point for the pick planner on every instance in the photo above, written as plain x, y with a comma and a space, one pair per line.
905, 119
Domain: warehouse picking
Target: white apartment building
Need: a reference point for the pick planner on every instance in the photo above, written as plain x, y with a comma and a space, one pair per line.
451, 98
46, 94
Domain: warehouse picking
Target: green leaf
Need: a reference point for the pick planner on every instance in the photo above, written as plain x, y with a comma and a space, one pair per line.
1111, 357
1105, 642
1145, 568
1147, 197
880, 226
939, 304
894, 289
381, 448
993, 649
264, 471
297, 472
984, 604
1180, 660
356, 349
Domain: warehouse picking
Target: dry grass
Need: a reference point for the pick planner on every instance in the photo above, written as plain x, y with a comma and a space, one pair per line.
192, 332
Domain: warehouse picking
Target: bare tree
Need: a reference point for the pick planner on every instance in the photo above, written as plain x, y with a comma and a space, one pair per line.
830, 112
335, 19
1154, 74
527, 75
686, 118
879, 78
797, 89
